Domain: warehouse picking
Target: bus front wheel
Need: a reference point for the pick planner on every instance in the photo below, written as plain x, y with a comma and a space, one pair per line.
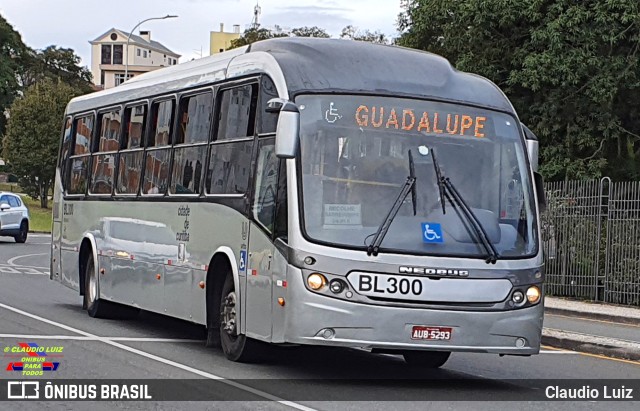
236, 347
426, 359
95, 307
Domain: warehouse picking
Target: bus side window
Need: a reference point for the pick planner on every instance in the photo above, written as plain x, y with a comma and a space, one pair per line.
156, 165
264, 200
65, 150
237, 112
103, 165
131, 155
267, 121
79, 161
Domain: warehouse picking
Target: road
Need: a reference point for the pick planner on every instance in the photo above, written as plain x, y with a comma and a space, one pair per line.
36, 309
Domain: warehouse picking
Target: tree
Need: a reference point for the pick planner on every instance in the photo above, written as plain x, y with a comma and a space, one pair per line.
252, 35
353, 33
33, 135
55, 63
571, 69
310, 32
11, 51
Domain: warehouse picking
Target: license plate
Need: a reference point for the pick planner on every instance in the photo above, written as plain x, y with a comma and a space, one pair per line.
390, 286
419, 332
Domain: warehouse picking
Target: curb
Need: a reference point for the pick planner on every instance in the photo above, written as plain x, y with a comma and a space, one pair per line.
592, 315
39, 232
591, 344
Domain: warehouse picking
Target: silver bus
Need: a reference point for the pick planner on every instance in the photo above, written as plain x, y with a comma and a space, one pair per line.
307, 191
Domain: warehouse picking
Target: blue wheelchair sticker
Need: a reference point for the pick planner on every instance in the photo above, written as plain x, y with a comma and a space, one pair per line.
432, 233
243, 261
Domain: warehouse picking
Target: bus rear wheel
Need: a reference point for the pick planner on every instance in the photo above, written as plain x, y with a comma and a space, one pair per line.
236, 347
426, 359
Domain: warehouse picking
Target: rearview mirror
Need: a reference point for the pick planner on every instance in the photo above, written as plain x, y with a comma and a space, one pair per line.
287, 132
5, 207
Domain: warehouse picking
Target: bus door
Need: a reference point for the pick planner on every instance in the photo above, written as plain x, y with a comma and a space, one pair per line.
258, 301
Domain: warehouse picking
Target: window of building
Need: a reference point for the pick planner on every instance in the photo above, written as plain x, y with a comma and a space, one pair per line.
162, 121
109, 139
117, 54
229, 167
195, 118
105, 54
113, 37
134, 126
83, 133
188, 164
138, 52
129, 172
144, 54
102, 174
120, 78
236, 118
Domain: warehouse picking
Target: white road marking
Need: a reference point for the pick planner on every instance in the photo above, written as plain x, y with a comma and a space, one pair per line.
11, 260
166, 361
23, 269
82, 338
32, 235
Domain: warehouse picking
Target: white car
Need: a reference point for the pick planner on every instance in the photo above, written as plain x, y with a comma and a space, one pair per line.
14, 217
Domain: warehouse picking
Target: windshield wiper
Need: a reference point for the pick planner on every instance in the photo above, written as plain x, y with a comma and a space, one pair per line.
448, 190
409, 186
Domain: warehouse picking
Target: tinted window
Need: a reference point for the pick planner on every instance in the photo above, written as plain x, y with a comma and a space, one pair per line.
109, 131
156, 171
266, 184
4, 199
129, 172
78, 175
83, 133
102, 174
14, 201
195, 118
188, 163
106, 54
268, 121
162, 121
66, 141
134, 126
237, 112
229, 168
117, 54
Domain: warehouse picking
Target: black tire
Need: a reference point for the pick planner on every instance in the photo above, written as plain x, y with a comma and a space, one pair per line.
426, 359
96, 307
236, 347
24, 232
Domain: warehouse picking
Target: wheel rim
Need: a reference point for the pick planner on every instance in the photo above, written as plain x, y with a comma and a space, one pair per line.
228, 314
93, 287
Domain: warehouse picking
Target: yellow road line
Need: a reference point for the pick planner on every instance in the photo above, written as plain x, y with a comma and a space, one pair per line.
591, 319
593, 355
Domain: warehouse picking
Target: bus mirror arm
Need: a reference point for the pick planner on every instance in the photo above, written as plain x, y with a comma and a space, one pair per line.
288, 130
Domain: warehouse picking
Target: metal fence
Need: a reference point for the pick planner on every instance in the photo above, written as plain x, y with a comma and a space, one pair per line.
591, 233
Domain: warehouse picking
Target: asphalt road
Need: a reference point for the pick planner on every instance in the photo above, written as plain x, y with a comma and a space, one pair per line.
36, 309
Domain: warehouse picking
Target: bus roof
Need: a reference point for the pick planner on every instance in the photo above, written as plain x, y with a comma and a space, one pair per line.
323, 66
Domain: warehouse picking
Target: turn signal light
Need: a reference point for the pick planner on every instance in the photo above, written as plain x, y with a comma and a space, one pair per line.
533, 294
316, 281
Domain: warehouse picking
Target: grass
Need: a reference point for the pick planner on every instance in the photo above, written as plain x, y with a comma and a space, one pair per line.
40, 217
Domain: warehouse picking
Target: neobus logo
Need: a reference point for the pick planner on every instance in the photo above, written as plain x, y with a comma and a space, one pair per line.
433, 271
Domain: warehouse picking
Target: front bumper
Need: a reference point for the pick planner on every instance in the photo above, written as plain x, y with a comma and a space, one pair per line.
309, 316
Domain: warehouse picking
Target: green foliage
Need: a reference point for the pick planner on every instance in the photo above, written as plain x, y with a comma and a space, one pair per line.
571, 69
310, 32
11, 51
252, 35
56, 63
353, 33
33, 135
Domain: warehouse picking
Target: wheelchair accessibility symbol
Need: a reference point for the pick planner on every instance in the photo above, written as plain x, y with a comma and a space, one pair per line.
332, 115
242, 266
432, 233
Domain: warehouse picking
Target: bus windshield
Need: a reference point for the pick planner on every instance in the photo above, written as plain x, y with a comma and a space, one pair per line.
354, 162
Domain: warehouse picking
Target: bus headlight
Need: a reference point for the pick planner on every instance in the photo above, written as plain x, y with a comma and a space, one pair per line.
517, 297
533, 294
316, 281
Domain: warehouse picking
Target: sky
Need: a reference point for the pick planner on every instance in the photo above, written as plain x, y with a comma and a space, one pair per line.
73, 23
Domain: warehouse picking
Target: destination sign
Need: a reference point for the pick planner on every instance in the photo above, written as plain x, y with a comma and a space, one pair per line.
421, 121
